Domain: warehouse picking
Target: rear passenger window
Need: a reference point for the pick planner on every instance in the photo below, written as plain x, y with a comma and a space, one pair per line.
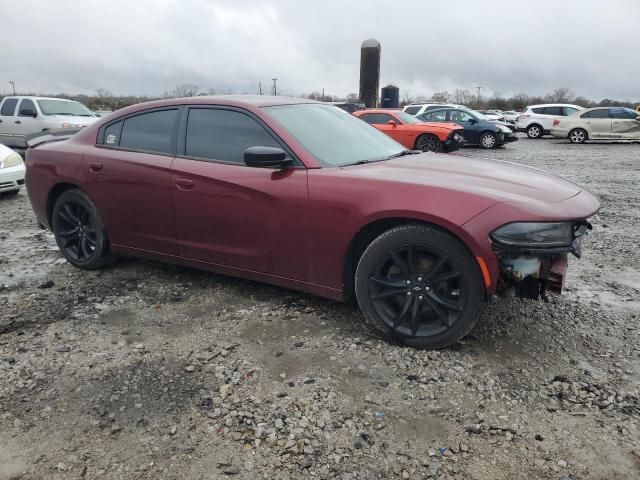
554, 111
150, 132
112, 134
412, 110
224, 135
9, 107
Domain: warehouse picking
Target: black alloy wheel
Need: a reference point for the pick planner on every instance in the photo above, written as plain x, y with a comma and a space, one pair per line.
428, 143
421, 284
78, 230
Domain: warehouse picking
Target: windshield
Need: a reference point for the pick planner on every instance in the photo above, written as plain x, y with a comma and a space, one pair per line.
477, 115
406, 118
333, 136
64, 107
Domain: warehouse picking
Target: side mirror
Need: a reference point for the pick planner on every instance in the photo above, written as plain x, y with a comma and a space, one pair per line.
266, 157
472, 121
28, 112
392, 123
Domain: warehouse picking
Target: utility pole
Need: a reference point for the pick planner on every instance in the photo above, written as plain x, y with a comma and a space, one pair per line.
275, 87
479, 88
323, 94
13, 85
260, 87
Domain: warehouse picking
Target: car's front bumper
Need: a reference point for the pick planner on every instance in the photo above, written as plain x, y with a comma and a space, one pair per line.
12, 178
510, 137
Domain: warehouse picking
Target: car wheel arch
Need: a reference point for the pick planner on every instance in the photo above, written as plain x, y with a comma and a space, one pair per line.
55, 192
370, 231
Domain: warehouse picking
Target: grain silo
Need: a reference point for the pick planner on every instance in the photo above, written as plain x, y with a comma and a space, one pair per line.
390, 97
369, 72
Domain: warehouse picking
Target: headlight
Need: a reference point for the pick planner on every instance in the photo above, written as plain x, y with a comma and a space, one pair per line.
504, 129
12, 160
534, 234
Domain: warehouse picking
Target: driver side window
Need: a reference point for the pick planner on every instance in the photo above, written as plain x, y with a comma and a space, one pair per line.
458, 116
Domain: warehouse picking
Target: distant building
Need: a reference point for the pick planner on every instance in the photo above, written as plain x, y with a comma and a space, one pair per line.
390, 97
370, 72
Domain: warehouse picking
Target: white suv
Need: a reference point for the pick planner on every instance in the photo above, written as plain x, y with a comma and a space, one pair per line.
419, 108
21, 116
537, 120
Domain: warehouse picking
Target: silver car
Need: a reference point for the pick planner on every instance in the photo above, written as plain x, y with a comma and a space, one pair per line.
600, 123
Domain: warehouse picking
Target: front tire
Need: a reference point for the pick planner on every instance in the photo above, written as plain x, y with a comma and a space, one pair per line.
488, 140
578, 135
534, 131
421, 284
79, 232
429, 143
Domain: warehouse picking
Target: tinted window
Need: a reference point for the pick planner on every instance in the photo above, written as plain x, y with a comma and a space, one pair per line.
412, 110
569, 110
224, 135
149, 131
553, 111
538, 110
26, 104
623, 113
598, 113
9, 107
112, 134
377, 118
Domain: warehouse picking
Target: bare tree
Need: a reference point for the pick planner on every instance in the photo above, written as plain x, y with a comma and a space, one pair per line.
443, 97
463, 96
560, 95
406, 98
185, 90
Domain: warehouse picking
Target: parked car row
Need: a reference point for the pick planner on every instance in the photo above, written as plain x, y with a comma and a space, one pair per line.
12, 171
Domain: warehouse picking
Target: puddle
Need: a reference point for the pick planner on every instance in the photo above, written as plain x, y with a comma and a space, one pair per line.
27, 255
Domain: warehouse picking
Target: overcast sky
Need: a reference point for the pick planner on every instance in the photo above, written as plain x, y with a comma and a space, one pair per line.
149, 46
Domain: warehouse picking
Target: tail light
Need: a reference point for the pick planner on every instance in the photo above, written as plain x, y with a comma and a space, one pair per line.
556, 122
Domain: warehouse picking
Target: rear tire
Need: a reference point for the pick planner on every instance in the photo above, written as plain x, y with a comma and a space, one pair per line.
421, 284
578, 135
535, 131
429, 143
79, 232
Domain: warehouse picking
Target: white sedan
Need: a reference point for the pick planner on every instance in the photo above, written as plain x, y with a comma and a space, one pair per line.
11, 171
600, 123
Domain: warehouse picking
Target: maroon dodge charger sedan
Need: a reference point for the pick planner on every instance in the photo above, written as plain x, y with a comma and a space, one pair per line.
303, 195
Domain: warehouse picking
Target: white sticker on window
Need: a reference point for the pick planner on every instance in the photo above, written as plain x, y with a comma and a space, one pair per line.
111, 139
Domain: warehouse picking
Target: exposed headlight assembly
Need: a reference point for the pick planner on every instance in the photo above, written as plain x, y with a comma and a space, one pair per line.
11, 160
504, 129
458, 138
535, 234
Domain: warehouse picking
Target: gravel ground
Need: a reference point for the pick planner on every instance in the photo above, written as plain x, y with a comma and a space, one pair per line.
146, 370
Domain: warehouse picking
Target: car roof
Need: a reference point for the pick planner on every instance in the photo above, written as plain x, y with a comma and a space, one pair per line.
380, 110
233, 100
35, 97
554, 105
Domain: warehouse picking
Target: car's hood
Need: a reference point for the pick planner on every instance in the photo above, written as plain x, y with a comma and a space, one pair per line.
84, 121
497, 180
445, 125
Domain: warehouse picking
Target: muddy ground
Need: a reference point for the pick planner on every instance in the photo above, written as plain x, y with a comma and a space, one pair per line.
151, 371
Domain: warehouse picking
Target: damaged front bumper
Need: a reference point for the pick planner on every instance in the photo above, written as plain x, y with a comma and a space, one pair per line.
532, 272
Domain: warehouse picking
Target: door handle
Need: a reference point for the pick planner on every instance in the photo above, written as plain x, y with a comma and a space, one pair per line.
95, 167
185, 184
18, 121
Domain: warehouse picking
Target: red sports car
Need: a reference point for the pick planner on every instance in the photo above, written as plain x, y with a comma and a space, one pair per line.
413, 133
304, 195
